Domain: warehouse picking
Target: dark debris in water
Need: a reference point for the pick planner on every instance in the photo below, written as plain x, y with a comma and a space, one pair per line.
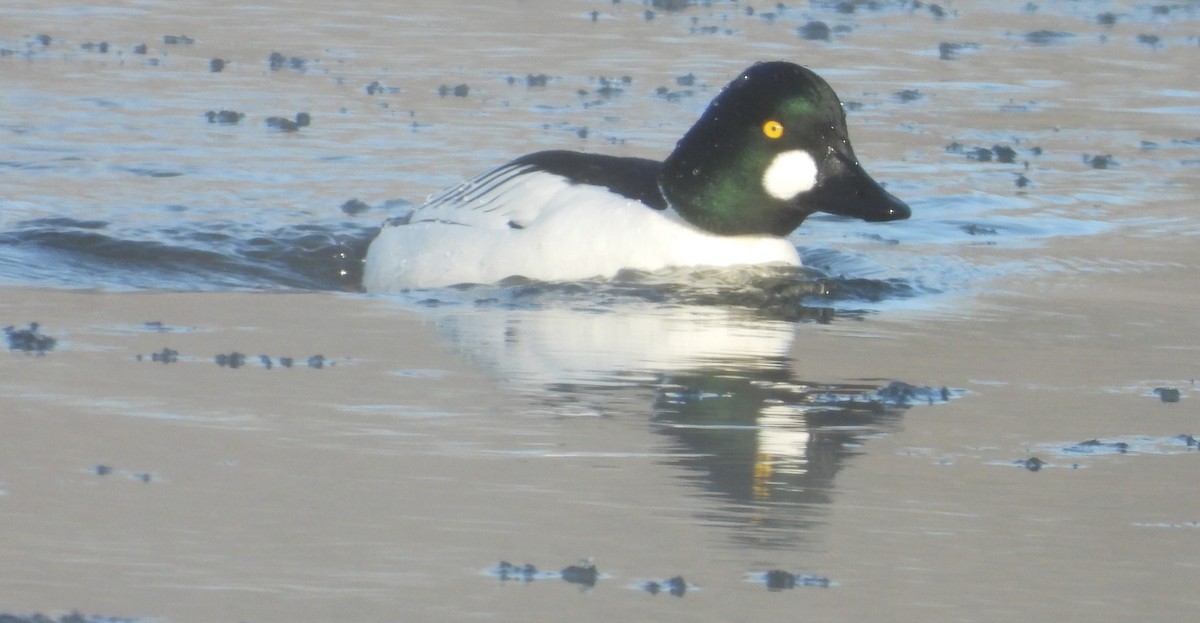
999, 153
1047, 37
460, 90
676, 586
780, 580
354, 207
224, 117
1096, 446
948, 51
583, 574
29, 340
814, 31
277, 61
377, 88
1032, 464
101, 469
1099, 162
973, 229
1035, 464
1168, 394
235, 360
164, 356
302, 120
901, 394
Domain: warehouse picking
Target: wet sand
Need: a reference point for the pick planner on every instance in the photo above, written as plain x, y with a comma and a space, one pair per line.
385, 484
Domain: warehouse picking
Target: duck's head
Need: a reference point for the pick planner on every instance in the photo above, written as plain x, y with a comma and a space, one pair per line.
771, 149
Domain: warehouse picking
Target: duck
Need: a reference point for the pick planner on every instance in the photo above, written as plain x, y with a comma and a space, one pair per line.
771, 149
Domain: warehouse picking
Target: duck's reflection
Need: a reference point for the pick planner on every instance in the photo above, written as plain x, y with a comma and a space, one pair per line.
769, 446
715, 381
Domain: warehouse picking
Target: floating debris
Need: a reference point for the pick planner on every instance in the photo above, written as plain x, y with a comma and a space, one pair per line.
676, 586
226, 117
1000, 153
978, 230
949, 51
303, 119
108, 470
814, 31
376, 87
908, 95
1151, 40
1095, 446
354, 207
527, 573
1168, 394
278, 61
165, 356
1099, 162
461, 90
178, 40
30, 340
233, 360
901, 394
1047, 37
779, 580
216, 65
584, 574
1032, 464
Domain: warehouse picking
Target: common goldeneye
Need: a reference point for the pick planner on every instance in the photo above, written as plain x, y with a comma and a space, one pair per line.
771, 149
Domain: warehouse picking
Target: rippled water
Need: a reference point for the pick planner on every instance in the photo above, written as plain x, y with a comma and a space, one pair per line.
112, 176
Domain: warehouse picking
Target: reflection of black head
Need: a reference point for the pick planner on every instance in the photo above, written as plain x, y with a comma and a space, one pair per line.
762, 445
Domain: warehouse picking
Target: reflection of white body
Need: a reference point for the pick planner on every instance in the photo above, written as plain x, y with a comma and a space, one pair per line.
534, 348
580, 351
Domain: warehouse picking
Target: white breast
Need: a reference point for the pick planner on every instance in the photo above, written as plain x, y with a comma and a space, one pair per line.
523, 221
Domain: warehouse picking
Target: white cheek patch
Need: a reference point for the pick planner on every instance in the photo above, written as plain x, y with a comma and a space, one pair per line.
790, 173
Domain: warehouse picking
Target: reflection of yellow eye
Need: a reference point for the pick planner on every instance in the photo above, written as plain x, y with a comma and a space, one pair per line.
772, 129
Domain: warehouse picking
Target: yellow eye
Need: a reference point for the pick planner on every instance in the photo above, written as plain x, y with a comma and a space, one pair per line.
772, 129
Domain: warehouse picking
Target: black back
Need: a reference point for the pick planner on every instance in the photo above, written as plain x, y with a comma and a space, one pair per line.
636, 178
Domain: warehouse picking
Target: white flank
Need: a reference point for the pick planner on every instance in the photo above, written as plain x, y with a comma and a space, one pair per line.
531, 223
790, 174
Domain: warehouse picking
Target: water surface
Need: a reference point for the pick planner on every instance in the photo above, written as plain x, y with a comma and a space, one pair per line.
869, 419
